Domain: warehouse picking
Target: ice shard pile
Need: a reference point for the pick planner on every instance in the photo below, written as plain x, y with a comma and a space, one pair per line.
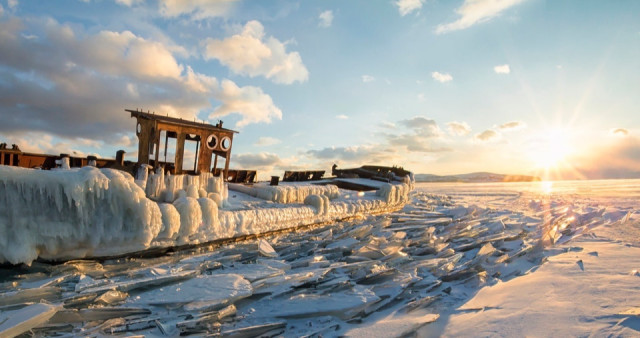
90, 212
385, 275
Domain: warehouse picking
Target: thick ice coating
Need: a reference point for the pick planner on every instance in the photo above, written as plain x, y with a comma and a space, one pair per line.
287, 193
90, 212
70, 213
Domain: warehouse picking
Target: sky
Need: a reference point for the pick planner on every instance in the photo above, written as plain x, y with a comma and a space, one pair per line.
532, 87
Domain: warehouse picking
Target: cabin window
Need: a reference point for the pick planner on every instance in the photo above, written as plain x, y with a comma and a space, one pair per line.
190, 157
212, 141
226, 143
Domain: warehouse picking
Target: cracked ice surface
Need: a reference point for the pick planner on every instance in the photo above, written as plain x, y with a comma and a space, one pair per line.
439, 260
89, 212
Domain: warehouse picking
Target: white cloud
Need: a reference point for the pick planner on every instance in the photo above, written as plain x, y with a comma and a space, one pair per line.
407, 6
422, 136
423, 133
196, 9
488, 135
77, 85
458, 128
326, 19
617, 157
502, 69
250, 53
368, 78
267, 141
423, 126
513, 125
342, 117
127, 141
12, 4
129, 3
441, 77
476, 11
619, 132
415, 143
388, 125
250, 102
355, 154
257, 161
37, 142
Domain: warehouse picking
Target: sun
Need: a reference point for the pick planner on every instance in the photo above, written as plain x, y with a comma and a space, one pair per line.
552, 148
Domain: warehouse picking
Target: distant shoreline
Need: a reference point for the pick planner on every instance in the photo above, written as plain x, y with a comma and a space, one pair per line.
479, 177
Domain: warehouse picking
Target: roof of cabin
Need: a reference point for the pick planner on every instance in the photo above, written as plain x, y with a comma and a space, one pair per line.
176, 121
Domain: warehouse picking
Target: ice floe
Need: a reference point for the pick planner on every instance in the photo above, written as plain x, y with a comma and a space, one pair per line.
395, 274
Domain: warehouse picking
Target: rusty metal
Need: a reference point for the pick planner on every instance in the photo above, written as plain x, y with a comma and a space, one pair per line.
211, 140
11, 156
239, 176
148, 130
370, 171
303, 175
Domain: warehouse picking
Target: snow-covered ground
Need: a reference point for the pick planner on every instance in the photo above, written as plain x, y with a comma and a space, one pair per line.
459, 260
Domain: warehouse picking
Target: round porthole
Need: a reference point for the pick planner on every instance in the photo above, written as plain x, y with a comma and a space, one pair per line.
138, 129
212, 141
226, 143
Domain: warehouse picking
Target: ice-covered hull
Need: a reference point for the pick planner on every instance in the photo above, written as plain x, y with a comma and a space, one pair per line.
89, 212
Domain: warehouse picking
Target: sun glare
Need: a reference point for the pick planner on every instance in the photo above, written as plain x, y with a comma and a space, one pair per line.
553, 148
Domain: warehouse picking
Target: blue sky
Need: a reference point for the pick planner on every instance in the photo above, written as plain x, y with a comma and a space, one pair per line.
511, 86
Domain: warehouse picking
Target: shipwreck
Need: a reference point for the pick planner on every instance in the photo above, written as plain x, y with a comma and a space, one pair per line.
91, 207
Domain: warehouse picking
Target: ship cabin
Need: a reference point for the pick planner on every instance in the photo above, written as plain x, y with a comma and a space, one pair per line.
156, 132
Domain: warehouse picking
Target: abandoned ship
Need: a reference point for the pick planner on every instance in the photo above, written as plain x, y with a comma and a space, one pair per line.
92, 207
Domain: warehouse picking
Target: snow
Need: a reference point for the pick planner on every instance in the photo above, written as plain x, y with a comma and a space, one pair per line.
582, 292
90, 212
467, 260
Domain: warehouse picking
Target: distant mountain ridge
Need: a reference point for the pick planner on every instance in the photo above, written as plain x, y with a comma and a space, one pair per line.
475, 177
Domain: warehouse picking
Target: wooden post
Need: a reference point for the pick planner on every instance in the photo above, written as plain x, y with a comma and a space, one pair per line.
179, 152
196, 168
226, 165
166, 142
157, 141
143, 142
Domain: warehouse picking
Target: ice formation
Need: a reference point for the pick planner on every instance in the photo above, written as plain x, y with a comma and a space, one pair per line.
101, 212
22, 320
71, 213
384, 275
287, 193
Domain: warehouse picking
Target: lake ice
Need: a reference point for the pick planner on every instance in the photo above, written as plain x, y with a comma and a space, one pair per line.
474, 259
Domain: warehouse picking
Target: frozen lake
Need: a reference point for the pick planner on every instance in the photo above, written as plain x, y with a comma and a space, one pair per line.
581, 189
459, 260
